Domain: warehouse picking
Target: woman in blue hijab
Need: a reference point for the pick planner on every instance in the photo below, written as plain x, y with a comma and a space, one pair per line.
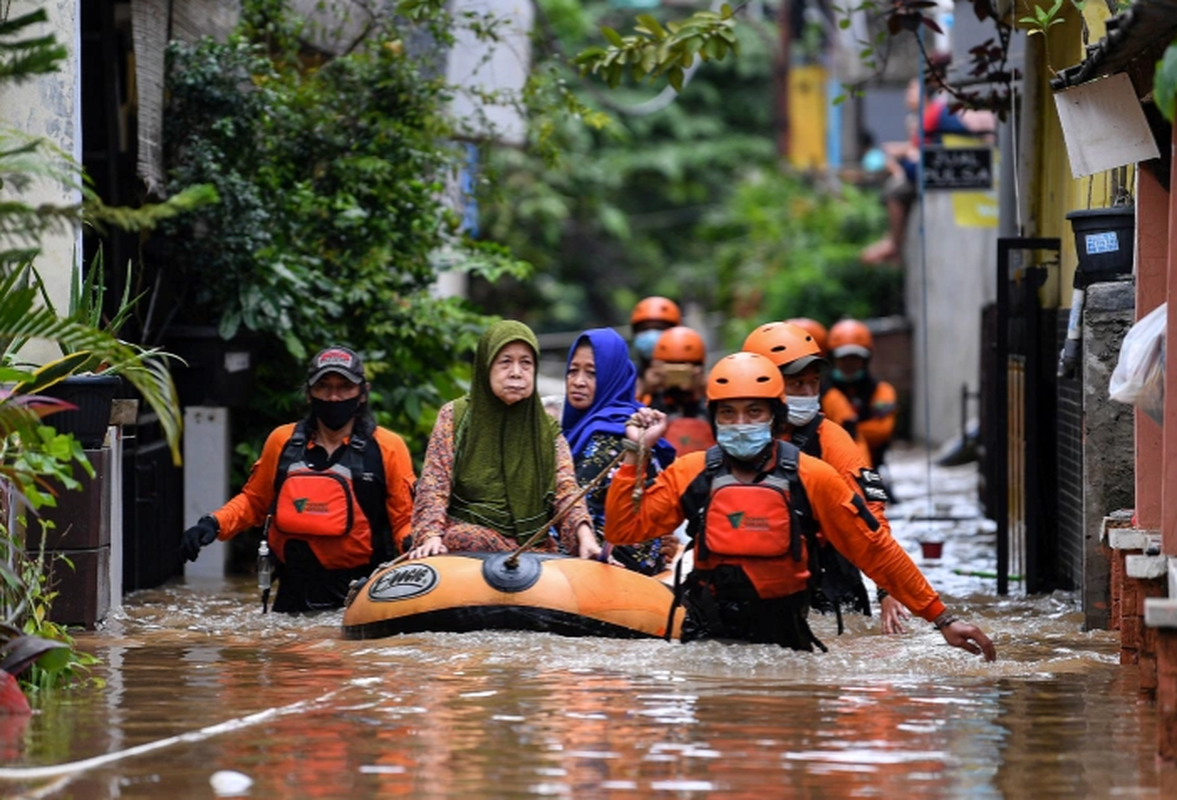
598, 399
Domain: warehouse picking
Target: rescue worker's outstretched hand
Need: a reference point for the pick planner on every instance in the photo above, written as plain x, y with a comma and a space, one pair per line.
892, 614
202, 534
647, 423
969, 637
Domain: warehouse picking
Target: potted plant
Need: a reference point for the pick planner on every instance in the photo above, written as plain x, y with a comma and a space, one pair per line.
94, 361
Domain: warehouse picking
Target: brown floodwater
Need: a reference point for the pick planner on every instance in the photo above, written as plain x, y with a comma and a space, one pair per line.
194, 681
197, 679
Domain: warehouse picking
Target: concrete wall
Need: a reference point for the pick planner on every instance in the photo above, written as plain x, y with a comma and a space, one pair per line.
1108, 433
49, 106
961, 264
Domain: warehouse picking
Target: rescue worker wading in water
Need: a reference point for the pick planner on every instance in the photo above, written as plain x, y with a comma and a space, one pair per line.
798, 356
678, 360
834, 405
335, 492
874, 400
752, 504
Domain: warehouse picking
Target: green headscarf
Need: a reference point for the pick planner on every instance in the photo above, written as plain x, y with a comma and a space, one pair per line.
504, 455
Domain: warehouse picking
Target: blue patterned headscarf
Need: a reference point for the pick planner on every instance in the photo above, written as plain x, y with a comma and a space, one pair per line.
613, 402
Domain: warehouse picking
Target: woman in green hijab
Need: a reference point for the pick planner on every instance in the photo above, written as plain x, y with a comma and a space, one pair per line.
497, 467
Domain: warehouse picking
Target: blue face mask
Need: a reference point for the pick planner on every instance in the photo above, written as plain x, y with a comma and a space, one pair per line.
841, 377
802, 409
644, 342
744, 441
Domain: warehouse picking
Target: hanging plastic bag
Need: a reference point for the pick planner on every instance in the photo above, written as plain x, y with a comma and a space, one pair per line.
1139, 377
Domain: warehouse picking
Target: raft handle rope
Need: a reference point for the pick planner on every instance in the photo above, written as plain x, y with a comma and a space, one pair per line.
513, 560
643, 450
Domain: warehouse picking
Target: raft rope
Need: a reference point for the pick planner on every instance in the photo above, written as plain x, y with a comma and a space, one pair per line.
229, 726
639, 485
513, 560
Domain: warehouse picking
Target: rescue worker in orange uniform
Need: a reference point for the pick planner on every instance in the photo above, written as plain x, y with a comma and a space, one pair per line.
752, 504
797, 355
335, 491
834, 405
678, 361
650, 317
874, 400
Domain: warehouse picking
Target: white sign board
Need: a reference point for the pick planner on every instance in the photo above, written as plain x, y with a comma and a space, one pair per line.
1104, 125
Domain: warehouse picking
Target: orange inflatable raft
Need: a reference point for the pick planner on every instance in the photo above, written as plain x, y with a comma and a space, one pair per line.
463, 592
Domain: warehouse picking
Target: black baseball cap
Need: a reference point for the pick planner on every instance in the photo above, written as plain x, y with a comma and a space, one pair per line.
341, 360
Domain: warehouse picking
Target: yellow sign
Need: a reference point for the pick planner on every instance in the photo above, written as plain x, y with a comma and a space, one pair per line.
975, 209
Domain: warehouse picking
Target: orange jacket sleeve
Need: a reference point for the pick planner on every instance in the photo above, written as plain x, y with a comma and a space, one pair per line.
842, 453
249, 507
846, 523
400, 479
879, 425
661, 508
837, 407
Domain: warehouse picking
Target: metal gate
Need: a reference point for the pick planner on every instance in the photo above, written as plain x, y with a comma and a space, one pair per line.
1015, 438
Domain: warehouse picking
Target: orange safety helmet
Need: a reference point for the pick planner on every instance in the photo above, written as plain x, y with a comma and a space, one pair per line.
788, 346
680, 345
814, 329
656, 309
744, 375
851, 338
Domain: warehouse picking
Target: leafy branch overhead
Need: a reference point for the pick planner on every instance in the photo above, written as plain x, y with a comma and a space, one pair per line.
655, 50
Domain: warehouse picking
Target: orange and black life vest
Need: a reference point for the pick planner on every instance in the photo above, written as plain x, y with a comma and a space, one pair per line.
338, 510
765, 528
689, 435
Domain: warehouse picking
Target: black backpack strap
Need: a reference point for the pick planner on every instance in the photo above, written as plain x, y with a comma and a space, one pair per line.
292, 451
800, 511
371, 487
805, 437
697, 497
678, 590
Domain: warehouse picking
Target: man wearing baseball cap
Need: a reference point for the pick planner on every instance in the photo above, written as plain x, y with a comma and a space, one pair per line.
334, 491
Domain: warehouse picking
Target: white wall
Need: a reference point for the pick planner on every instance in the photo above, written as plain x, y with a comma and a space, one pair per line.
960, 280
50, 106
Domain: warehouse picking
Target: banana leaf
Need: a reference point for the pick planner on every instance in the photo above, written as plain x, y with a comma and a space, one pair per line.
23, 318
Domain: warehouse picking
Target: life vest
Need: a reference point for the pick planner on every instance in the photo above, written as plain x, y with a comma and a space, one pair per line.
689, 435
338, 511
764, 528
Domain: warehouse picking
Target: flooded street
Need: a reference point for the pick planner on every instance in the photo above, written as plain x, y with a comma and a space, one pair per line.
195, 680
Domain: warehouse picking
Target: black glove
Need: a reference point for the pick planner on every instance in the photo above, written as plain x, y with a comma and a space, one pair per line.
204, 532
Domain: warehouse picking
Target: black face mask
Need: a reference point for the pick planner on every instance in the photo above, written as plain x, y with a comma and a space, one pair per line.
334, 414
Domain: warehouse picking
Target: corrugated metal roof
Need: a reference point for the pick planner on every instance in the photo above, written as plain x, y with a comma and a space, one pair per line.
1135, 37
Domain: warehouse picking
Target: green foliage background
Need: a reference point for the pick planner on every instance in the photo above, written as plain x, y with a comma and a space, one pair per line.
690, 202
331, 223
331, 174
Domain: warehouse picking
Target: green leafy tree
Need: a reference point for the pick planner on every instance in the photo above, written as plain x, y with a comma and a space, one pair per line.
37, 462
333, 226
787, 246
612, 217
